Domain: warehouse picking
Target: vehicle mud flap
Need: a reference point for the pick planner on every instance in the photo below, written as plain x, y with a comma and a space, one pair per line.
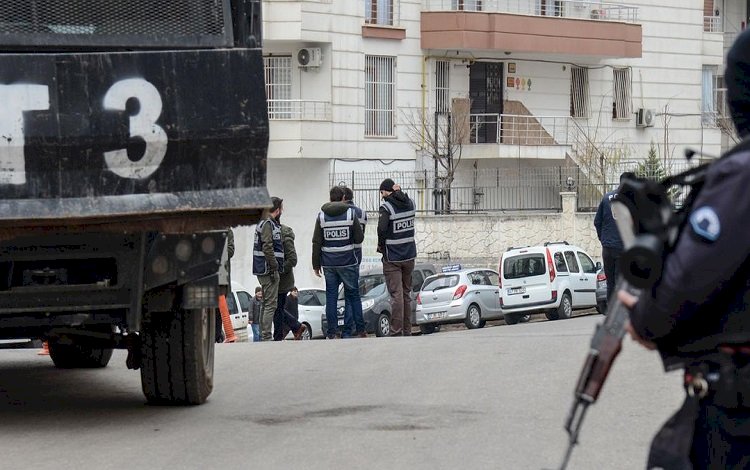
670, 449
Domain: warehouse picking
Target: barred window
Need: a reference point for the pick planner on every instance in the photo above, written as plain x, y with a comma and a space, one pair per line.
380, 94
579, 92
379, 12
622, 106
467, 5
278, 72
442, 86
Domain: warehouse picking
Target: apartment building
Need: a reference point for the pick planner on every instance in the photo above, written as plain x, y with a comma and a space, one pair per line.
360, 88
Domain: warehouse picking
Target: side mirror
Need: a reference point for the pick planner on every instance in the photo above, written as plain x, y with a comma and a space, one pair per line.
598, 265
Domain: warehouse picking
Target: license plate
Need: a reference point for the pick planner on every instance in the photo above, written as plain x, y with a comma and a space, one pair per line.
516, 290
436, 315
341, 322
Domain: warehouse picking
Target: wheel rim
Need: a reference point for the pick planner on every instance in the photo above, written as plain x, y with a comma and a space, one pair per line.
567, 308
307, 335
474, 315
385, 325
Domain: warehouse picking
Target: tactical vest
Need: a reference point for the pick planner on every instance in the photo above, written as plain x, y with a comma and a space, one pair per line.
260, 266
362, 217
338, 240
399, 239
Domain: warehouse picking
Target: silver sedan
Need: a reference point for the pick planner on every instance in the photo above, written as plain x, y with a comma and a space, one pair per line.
468, 295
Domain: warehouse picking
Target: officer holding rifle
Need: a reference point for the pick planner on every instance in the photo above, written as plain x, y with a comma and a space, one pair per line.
698, 313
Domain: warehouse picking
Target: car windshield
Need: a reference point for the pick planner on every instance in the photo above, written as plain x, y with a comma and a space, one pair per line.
515, 267
371, 285
441, 281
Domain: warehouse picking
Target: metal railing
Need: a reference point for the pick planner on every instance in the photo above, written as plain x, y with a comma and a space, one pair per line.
501, 189
593, 10
519, 129
712, 24
299, 110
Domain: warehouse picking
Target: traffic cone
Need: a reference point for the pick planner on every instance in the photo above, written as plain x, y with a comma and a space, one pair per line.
226, 321
45, 349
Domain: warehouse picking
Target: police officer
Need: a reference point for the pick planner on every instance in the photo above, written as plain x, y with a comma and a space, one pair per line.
268, 262
354, 324
699, 310
337, 231
396, 243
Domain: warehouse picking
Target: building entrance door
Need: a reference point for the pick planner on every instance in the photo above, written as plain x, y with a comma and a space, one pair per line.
486, 94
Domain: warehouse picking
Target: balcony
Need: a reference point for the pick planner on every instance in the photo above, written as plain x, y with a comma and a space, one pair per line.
585, 28
299, 110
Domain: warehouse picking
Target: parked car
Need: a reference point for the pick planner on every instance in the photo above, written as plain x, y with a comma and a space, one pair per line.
376, 304
555, 278
469, 295
312, 304
238, 303
601, 292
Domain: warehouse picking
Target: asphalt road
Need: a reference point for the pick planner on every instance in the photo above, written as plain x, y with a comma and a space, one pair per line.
494, 398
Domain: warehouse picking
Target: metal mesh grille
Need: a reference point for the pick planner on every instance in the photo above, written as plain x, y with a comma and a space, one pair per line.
109, 22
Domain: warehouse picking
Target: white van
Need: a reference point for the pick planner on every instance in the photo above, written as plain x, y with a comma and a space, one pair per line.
239, 310
555, 278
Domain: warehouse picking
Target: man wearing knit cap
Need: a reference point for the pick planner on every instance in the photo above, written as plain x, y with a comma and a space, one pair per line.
698, 313
397, 245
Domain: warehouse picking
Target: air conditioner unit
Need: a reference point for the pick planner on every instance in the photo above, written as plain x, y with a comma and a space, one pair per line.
309, 57
645, 117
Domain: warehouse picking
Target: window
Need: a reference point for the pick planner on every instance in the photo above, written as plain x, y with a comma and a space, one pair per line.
579, 92
570, 257
466, 5
560, 263
708, 95
521, 266
232, 305
308, 298
245, 300
586, 263
278, 72
442, 86
380, 106
379, 12
321, 295
622, 108
549, 7
493, 278
416, 281
441, 282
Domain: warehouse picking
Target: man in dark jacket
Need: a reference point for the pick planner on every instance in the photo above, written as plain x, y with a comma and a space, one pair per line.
397, 244
698, 312
606, 230
256, 308
337, 231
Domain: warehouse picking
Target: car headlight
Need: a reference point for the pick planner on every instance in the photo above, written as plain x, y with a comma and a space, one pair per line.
368, 304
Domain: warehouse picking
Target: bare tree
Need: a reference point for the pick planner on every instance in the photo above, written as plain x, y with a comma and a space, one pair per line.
442, 135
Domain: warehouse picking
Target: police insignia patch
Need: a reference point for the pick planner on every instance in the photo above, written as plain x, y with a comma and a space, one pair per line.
705, 223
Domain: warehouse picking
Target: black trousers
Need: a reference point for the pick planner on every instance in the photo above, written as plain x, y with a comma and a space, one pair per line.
611, 258
283, 321
722, 438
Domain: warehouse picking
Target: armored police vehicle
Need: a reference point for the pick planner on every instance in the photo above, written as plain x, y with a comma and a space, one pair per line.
133, 134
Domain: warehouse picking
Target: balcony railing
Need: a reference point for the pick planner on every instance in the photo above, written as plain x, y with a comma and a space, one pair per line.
712, 24
516, 129
561, 8
299, 110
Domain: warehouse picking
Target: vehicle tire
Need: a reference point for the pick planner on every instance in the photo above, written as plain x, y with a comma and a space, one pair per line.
79, 355
512, 318
383, 328
473, 317
177, 366
427, 329
601, 307
565, 309
525, 318
551, 314
482, 323
307, 334
438, 328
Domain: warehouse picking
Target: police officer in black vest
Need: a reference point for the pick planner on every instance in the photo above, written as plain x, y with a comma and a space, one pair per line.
268, 262
337, 231
396, 243
698, 313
